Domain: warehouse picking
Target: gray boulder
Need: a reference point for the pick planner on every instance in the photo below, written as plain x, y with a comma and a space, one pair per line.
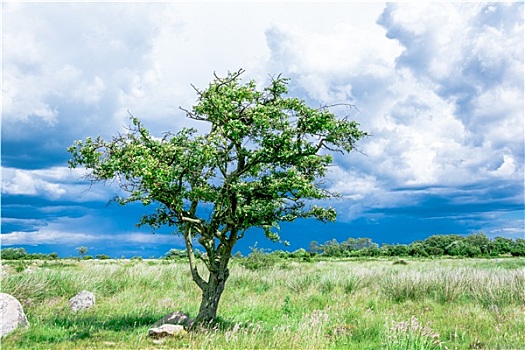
12, 315
83, 300
166, 330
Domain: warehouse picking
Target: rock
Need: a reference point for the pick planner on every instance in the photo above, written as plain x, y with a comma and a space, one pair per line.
177, 317
166, 330
12, 315
83, 300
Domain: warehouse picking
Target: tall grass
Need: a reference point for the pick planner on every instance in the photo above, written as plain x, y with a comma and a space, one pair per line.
484, 287
324, 305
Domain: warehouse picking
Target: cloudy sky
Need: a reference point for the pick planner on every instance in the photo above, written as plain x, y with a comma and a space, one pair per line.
440, 87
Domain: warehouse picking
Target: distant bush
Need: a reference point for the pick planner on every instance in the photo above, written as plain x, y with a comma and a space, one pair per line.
102, 257
176, 254
519, 248
87, 257
258, 259
301, 254
501, 245
13, 254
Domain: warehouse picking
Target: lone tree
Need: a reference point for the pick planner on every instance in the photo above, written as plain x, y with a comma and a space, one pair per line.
259, 164
82, 251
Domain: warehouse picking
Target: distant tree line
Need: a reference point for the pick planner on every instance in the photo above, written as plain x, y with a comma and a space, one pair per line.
471, 246
22, 254
474, 245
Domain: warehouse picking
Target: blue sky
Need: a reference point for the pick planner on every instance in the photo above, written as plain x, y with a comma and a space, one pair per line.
440, 86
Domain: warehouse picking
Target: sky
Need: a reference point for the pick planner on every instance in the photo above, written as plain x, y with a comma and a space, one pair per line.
440, 87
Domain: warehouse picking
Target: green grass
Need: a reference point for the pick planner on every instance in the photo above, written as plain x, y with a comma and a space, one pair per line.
353, 304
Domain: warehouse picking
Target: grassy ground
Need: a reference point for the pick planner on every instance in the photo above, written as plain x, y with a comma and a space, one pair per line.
359, 304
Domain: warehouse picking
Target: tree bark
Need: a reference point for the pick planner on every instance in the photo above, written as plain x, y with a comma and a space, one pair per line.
211, 295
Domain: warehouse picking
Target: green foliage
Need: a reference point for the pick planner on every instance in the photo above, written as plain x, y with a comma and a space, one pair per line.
350, 247
176, 254
519, 248
21, 254
13, 253
258, 259
102, 257
500, 245
20, 266
287, 307
474, 245
301, 254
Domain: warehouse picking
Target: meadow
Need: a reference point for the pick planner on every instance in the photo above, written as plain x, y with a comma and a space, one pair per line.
334, 304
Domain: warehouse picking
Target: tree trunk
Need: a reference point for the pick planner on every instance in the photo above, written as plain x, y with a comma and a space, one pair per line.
211, 294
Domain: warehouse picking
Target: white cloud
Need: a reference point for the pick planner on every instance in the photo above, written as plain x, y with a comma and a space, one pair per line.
507, 168
450, 113
87, 228
53, 183
109, 64
472, 66
22, 182
498, 117
67, 59
49, 236
326, 62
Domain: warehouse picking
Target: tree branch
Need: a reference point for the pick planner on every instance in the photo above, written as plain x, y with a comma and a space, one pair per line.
193, 265
192, 115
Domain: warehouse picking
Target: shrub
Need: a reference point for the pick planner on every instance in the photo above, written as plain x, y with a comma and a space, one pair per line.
301, 254
176, 254
102, 257
519, 248
20, 266
500, 245
13, 253
258, 259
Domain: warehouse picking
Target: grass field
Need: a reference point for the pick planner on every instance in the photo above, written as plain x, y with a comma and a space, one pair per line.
355, 304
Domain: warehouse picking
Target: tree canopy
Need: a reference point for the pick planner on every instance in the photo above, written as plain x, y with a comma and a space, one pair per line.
259, 162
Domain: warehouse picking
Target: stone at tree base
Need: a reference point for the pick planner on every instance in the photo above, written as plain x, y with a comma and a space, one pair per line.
177, 317
166, 330
83, 300
12, 315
